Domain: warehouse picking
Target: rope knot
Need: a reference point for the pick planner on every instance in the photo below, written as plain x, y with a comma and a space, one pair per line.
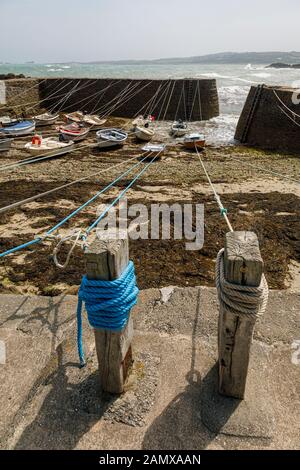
237, 299
108, 303
73, 237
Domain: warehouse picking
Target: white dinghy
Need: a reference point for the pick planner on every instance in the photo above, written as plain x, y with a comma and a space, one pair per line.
179, 128
39, 146
111, 138
76, 116
140, 121
93, 120
154, 148
45, 119
144, 133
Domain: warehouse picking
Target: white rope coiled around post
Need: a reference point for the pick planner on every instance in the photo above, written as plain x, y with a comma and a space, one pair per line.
237, 299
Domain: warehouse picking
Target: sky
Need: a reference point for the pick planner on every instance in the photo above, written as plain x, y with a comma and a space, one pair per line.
90, 30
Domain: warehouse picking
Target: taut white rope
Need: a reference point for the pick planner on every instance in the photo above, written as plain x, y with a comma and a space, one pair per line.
47, 193
216, 195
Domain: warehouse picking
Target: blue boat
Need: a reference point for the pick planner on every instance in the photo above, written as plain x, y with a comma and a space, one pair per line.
15, 129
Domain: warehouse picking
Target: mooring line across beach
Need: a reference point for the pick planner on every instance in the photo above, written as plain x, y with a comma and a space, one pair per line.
49, 233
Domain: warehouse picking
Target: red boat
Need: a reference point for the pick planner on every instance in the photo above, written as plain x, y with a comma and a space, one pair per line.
74, 131
193, 141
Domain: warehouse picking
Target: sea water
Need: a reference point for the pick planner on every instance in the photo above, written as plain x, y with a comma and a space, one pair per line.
233, 80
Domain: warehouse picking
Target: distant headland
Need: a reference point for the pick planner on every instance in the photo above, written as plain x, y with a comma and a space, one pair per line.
282, 65
277, 59
9, 76
219, 58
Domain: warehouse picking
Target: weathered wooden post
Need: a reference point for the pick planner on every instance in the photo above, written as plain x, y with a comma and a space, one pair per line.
106, 260
243, 266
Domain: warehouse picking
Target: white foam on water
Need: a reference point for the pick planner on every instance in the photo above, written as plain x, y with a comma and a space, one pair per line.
227, 77
220, 130
233, 94
232, 98
262, 75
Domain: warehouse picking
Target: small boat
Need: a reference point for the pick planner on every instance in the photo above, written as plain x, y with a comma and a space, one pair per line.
7, 120
179, 128
91, 119
75, 132
16, 129
154, 148
193, 141
144, 133
140, 121
39, 146
45, 119
76, 116
5, 144
111, 137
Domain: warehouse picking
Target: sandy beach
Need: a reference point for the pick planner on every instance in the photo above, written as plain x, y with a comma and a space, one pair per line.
255, 198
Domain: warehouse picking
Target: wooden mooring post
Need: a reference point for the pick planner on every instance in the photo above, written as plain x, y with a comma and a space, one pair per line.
243, 265
106, 260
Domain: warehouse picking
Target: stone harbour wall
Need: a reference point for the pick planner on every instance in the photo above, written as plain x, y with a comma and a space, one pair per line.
19, 96
58, 91
263, 122
87, 88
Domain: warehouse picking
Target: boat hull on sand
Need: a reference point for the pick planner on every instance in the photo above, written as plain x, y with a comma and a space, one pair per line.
94, 121
46, 119
194, 141
49, 145
77, 116
178, 129
154, 149
90, 119
144, 134
73, 132
107, 138
17, 129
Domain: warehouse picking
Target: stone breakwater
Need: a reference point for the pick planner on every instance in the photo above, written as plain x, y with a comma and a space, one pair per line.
267, 120
20, 92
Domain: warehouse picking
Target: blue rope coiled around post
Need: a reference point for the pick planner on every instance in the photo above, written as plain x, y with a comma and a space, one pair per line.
108, 303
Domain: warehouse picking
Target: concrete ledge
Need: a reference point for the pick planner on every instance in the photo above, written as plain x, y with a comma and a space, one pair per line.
34, 331
48, 402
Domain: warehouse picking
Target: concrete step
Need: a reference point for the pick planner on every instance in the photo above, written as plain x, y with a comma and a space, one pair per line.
49, 403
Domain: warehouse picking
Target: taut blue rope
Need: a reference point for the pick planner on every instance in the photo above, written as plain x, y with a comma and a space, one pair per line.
75, 212
94, 224
108, 303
